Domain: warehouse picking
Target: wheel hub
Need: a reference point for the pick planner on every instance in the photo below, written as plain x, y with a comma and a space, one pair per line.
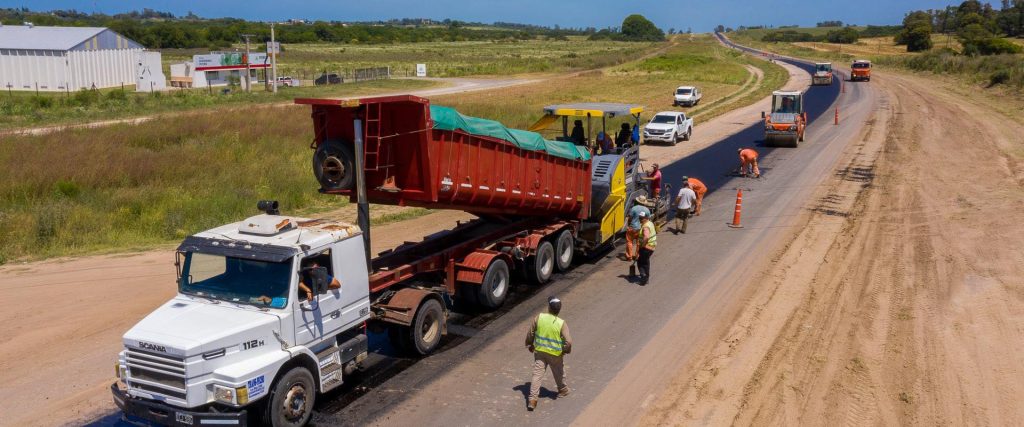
334, 169
295, 402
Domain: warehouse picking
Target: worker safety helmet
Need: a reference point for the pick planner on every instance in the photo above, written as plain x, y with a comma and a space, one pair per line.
642, 214
554, 304
685, 178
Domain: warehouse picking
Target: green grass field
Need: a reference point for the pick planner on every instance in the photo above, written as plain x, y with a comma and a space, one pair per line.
126, 187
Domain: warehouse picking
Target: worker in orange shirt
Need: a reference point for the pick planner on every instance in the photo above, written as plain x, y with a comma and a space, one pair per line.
748, 162
698, 187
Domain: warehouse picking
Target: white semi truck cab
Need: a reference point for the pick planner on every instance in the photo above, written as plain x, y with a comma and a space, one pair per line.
242, 334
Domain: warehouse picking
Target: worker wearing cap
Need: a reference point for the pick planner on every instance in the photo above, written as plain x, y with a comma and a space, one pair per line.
748, 162
655, 178
699, 189
549, 342
633, 227
648, 240
686, 204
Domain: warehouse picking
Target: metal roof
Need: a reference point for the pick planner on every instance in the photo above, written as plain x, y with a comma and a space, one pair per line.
45, 38
607, 109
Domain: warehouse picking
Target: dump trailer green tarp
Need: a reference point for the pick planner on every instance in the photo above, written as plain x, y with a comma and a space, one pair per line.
446, 118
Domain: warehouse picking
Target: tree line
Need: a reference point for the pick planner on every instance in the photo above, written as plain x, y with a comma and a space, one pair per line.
161, 30
977, 26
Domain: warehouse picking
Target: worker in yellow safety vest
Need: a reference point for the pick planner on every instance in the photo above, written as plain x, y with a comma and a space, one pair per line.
549, 341
648, 240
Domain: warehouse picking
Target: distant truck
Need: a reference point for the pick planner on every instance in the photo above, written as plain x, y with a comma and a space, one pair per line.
687, 96
860, 70
260, 326
822, 74
786, 123
669, 126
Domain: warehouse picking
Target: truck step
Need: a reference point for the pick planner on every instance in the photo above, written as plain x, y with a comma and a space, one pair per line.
330, 376
329, 356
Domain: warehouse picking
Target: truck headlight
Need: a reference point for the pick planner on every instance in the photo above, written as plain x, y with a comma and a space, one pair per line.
231, 396
120, 371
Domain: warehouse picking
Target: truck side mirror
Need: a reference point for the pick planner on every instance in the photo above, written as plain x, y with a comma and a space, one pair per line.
318, 277
762, 114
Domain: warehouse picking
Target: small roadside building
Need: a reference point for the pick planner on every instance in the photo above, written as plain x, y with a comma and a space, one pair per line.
219, 69
41, 58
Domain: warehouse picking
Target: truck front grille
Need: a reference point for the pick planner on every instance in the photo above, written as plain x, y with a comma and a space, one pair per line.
156, 373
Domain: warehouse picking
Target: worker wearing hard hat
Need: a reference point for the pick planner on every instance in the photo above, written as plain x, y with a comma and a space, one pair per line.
633, 227
549, 341
748, 162
699, 189
648, 240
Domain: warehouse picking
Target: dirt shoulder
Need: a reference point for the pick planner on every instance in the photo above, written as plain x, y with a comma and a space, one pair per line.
900, 301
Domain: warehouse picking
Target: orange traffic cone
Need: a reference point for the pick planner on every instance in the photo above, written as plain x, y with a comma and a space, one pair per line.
837, 115
739, 208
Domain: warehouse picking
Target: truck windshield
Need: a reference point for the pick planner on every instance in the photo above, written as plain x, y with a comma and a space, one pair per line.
824, 67
663, 119
683, 92
237, 280
861, 65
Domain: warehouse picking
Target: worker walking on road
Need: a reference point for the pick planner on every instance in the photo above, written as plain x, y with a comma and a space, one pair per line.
648, 240
698, 188
633, 227
748, 162
549, 342
686, 204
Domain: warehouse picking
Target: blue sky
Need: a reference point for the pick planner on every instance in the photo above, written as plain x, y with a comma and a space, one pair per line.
701, 15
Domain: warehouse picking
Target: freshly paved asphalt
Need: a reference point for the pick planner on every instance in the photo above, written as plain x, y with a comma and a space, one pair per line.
481, 374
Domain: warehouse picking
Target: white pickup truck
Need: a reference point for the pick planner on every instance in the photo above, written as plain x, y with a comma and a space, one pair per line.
669, 126
687, 96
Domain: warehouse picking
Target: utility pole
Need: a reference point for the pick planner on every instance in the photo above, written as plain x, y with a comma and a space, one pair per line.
273, 58
248, 70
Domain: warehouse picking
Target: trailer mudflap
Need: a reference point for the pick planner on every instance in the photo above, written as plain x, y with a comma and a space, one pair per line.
401, 307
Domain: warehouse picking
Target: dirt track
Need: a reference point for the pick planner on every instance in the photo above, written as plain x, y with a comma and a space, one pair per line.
900, 300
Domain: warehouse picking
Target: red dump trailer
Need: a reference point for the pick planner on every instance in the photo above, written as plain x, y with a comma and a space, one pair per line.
533, 198
450, 161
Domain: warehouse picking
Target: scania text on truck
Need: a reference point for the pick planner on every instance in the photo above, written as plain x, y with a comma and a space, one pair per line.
274, 310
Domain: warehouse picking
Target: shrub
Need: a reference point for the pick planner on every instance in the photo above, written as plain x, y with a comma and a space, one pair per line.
85, 97
999, 77
41, 102
846, 36
117, 95
997, 46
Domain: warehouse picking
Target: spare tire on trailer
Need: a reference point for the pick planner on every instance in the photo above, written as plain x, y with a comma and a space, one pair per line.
334, 165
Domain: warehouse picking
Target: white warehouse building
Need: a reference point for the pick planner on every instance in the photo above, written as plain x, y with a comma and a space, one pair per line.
44, 58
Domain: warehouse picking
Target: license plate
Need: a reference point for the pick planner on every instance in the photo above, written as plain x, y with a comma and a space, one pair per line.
183, 418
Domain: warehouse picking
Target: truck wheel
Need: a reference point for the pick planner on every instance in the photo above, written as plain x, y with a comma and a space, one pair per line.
292, 398
686, 136
565, 249
334, 165
495, 286
542, 264
427, 327
675, 138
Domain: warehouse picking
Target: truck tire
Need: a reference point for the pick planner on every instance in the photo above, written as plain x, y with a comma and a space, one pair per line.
675, 138
494, 289
427, 327
334, 165
291, 400
565, 249
686, 136
542, 264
